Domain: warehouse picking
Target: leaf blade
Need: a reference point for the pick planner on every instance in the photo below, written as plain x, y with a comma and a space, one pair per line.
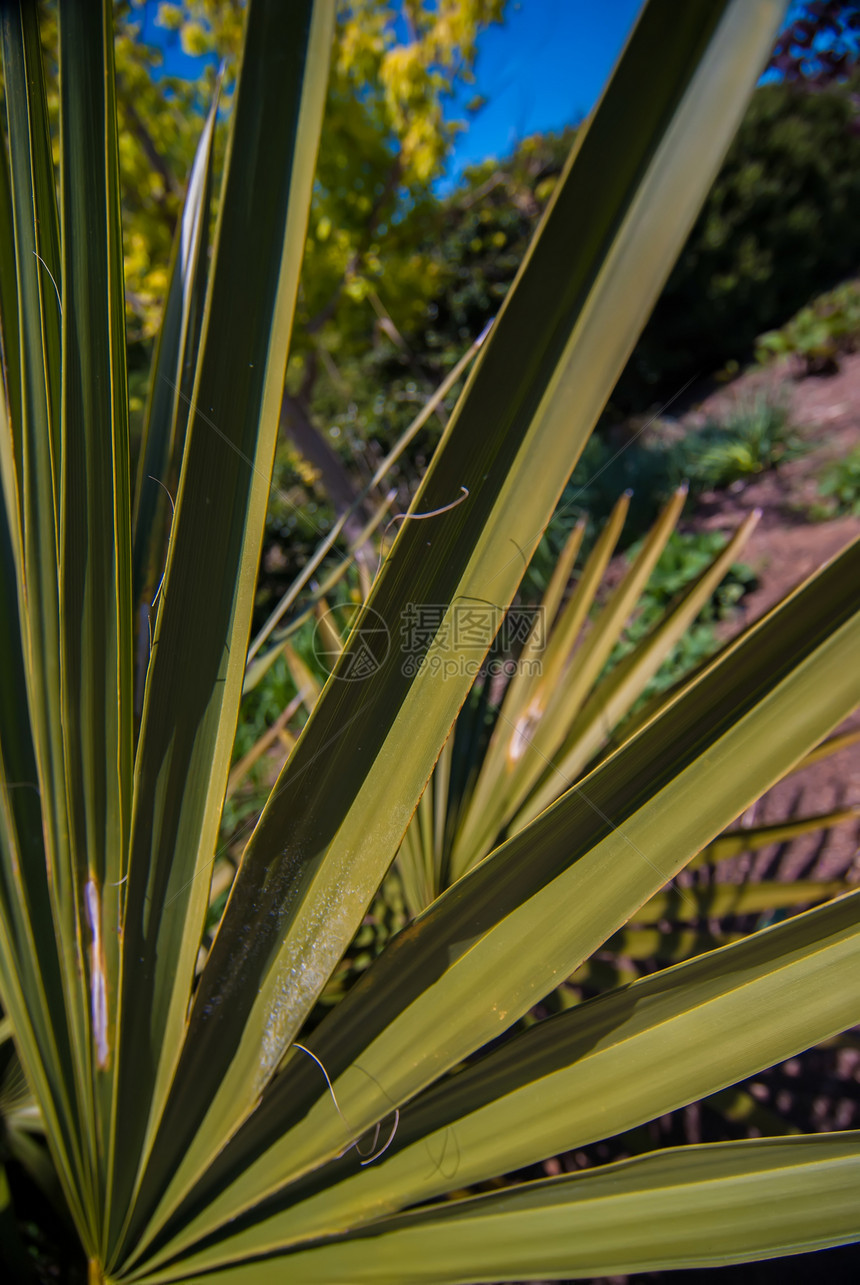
194, 681
594, 1071
498, 936
698, 1206
533, 446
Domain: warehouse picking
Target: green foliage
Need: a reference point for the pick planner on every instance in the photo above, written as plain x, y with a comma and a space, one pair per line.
257, 713
368, 250
261, 705
779, 225
754, 436
397, 284
159, 120
840, 484
201, 1122
750, 438
643, 466
475, 241
684, 558
385, 138
819, 333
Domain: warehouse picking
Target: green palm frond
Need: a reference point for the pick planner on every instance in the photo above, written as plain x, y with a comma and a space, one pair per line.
197, 1124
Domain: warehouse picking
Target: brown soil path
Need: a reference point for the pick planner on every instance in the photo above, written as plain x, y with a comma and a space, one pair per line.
787, 546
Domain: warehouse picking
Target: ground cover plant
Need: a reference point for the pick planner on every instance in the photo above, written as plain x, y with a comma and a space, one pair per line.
818, 334
840, 484
752, 437
195, 1132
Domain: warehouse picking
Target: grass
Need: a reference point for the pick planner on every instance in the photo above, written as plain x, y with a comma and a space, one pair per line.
755, 436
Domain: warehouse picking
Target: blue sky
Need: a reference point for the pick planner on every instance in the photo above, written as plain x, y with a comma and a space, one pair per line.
543, 69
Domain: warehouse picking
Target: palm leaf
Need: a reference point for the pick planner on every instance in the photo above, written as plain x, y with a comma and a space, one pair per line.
191, 1132
695, 1207
301, 901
